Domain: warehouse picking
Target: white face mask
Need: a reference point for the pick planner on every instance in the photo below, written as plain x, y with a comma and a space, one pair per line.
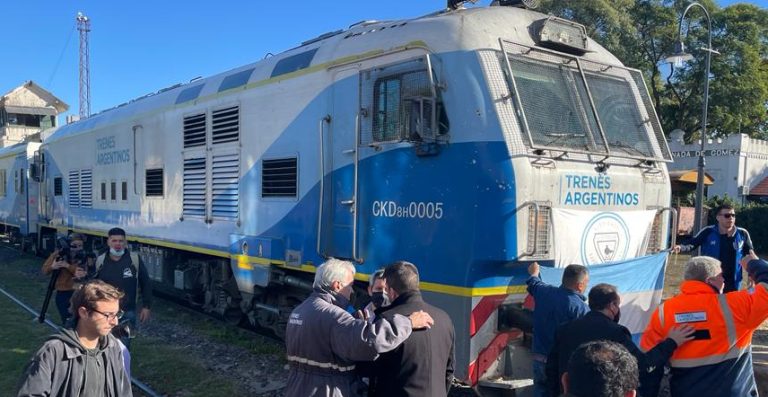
114, 252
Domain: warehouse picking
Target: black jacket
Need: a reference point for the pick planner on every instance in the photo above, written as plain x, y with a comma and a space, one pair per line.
423, 365
596, 326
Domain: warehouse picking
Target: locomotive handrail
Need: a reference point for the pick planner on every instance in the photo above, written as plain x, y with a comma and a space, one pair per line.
354, 196
535, 206
673, 232
135, 161
323, 120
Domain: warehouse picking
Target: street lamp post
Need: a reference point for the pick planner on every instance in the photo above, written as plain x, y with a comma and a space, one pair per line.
677, 58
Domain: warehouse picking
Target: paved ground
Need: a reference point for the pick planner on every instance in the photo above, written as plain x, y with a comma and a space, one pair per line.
760, 358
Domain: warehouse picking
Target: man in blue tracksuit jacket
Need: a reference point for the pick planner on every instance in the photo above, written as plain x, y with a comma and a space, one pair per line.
725, 242
553, 306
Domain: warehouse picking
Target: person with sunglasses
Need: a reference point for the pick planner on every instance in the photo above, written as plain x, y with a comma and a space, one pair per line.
70, 270
725, 242
83, 360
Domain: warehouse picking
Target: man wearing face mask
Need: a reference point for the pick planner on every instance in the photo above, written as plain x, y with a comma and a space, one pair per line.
718, 362
602, 323
323, 340
378, 296
124, 270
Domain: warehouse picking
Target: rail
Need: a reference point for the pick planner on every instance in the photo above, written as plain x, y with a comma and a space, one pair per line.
139, 384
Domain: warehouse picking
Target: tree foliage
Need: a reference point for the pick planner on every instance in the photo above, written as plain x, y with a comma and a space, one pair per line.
642, 32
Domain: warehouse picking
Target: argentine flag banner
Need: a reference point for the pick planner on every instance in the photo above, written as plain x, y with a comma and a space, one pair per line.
640, 282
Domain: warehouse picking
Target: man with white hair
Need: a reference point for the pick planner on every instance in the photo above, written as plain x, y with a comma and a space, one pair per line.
323, 340
718, 361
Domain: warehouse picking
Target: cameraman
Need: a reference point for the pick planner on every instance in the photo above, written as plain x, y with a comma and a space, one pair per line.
71, 267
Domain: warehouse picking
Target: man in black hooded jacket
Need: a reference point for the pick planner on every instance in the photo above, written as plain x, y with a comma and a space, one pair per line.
86, 360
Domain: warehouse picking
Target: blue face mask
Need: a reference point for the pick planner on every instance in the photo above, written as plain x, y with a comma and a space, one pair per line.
115, 252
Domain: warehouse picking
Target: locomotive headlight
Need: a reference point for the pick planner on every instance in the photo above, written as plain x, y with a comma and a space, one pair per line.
561, 34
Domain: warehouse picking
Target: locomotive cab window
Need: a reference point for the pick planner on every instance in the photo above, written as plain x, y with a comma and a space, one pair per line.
404, 104
574, 104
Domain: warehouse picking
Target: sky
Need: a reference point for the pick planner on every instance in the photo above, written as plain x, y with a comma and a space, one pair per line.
141, 46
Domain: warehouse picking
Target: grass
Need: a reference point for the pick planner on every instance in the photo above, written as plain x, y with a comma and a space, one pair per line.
18, 342
169, 370
215, 330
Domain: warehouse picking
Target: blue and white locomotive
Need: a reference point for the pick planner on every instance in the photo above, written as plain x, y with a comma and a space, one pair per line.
470, 142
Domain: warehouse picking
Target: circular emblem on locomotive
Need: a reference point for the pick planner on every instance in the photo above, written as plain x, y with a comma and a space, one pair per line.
605, 239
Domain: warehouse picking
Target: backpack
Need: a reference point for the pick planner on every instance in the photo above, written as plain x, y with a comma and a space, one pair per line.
134, 261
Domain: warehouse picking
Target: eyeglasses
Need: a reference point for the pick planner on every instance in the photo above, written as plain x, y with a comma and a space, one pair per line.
728, 216
110, 316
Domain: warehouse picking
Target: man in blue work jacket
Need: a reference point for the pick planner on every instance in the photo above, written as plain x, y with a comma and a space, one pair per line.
725, 242
553, 306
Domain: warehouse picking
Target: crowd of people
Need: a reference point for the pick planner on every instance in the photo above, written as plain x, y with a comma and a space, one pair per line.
399, 345
703, 334
96, 297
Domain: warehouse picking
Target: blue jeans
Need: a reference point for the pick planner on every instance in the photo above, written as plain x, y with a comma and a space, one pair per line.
129, 317
540, 379
62, 305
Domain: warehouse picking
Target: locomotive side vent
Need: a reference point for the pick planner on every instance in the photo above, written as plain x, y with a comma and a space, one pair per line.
225, 172
225, 125
74, 188
194, 130
154, 182
193, 202
86, 188
279, 177
58, 184
3, 183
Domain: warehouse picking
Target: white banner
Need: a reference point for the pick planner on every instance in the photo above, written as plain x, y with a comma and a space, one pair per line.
592, 238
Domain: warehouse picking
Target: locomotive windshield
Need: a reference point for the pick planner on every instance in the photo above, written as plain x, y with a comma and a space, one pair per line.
577, 105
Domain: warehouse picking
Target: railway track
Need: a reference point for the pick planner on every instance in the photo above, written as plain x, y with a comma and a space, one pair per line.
136, 382
184, 305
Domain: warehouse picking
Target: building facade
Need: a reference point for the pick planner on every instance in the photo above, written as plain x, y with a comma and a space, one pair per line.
25, 111
738, 165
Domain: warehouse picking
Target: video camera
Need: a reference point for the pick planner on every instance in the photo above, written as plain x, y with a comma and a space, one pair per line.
65, 253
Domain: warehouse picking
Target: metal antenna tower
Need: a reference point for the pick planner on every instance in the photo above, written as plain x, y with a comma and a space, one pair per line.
84, 27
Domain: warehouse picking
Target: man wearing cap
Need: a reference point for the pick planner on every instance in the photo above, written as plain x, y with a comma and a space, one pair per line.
718, 362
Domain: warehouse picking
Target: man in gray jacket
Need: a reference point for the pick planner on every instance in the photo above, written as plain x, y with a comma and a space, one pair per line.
86, 360
323, 340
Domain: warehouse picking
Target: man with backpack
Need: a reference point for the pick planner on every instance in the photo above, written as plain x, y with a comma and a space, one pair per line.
124, 270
